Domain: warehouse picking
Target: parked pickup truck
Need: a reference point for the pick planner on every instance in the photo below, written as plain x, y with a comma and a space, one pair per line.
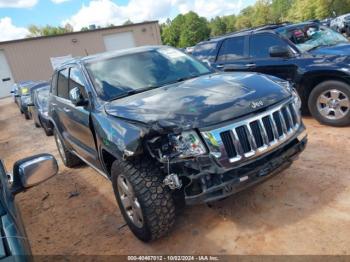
167, 130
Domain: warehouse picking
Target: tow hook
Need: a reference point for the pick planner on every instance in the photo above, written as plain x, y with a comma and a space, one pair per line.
172, 181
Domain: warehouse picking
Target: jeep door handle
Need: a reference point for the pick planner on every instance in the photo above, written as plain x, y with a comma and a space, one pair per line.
66, 109
250, 65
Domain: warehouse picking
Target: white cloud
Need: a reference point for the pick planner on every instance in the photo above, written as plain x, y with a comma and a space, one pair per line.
18, 3
104, 12
10, 31
59, 1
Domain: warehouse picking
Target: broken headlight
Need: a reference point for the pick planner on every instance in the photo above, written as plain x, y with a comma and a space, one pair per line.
187, 144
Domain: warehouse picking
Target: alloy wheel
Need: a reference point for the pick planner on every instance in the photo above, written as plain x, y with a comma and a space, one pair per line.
130, 202
333, 104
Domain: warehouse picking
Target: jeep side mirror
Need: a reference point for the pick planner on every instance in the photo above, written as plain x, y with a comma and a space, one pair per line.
279, 51
32, 171
76, 97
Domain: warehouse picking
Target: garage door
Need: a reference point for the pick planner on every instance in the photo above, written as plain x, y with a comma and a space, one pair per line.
119, 41
6, 80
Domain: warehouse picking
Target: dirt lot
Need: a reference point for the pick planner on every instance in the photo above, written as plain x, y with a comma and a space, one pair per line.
305, 210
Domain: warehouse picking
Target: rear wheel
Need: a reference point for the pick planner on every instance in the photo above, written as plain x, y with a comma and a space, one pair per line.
145, 202
68, 158
329, 103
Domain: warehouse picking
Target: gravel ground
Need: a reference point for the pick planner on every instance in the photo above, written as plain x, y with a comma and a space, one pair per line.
304, 210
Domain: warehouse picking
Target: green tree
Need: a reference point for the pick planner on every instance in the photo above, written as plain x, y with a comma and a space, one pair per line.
172, 29
48, 30
217, 26
230, 21
279, 10
244, 19
194, 30
128, 22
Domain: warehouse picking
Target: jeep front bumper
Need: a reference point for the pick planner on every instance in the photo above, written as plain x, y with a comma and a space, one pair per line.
217, 186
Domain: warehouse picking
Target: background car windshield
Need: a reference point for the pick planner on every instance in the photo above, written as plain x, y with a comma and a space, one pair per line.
312, 37
115, 77
43, 95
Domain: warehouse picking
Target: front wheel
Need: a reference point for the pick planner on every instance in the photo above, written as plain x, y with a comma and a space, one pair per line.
145, 202
68, 158
329, 103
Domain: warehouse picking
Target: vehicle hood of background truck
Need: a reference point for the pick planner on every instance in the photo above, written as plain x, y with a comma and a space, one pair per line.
339, 49
200, 102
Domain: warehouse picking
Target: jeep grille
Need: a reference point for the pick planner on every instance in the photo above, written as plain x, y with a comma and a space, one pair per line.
253, 136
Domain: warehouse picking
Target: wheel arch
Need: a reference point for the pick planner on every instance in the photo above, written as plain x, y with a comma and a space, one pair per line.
310, 80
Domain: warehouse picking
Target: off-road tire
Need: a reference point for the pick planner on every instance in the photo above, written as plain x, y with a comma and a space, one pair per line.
26, 115
156, 201
48, 130
37, 125
68, 159
317, 91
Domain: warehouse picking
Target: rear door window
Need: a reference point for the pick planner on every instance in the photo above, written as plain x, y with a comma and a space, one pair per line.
62, 83
261, 43
231, 49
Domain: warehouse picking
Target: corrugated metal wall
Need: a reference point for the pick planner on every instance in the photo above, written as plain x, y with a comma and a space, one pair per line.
30, 59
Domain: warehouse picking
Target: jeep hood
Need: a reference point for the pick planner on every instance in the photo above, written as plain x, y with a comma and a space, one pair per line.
199, 102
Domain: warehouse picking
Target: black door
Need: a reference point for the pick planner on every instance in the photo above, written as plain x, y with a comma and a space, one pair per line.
233, 55
262, 62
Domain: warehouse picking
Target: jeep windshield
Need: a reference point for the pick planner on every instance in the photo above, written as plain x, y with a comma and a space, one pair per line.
313, 37
133, 73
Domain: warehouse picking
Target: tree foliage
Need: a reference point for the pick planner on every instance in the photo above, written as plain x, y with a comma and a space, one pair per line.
47, 30
185, 30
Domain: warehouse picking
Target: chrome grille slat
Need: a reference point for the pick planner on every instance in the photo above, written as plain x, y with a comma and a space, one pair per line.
264, 132
253, 136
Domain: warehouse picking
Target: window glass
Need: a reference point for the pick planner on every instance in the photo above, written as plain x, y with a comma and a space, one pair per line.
54, 84
119, 76
260, 44
62, 84
232, 49
76, 79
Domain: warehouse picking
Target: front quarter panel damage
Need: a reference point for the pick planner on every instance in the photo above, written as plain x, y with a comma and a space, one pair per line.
119, 137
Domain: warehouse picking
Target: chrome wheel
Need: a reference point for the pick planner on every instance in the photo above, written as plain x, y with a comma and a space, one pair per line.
129, 201
333, 104
60, 148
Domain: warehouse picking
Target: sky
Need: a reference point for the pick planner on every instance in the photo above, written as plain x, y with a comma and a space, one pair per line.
17, 15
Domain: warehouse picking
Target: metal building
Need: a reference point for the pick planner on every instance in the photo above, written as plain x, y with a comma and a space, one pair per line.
30, 58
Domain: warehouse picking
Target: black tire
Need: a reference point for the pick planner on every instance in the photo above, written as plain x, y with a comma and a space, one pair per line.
321, 89
26, 115
37, 125
154, 198
68, 158
47, 129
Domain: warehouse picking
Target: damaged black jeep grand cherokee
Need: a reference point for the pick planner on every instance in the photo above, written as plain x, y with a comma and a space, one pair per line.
166, 129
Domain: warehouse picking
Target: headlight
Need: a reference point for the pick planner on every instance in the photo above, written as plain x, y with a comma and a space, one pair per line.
296, 97
188, 144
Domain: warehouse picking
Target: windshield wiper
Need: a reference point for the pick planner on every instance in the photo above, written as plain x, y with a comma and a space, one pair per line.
133, 92
316, 47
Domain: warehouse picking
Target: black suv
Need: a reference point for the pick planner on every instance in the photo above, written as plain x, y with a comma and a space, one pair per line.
313, 57
166, 129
